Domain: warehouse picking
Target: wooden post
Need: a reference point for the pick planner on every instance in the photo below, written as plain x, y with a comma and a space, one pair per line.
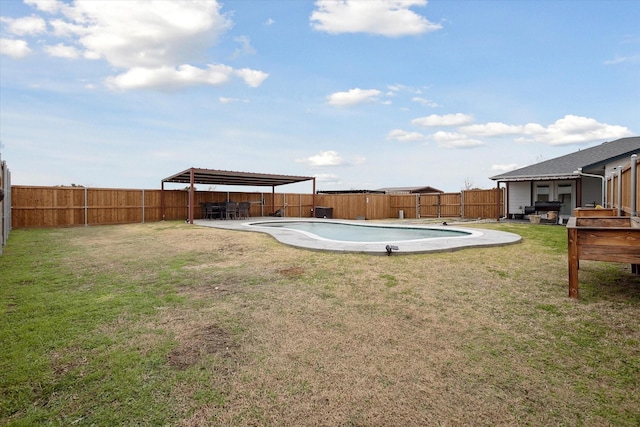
162, 200
572, 234
579, 192
498, 202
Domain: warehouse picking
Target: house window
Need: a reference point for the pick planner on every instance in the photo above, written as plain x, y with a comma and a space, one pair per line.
542, 193
564, 189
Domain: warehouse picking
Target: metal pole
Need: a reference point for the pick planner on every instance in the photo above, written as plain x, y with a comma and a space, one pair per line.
191, 195
313, 199
634, 185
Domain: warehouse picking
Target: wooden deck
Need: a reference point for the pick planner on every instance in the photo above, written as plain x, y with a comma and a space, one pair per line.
612, 239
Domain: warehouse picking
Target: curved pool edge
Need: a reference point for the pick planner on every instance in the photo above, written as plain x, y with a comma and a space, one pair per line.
479, 237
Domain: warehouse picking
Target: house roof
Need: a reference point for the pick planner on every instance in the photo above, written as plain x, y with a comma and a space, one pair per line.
350, 192
410, 190
591, 160
222, 177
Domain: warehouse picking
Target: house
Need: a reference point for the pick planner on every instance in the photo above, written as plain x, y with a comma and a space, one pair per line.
573, 180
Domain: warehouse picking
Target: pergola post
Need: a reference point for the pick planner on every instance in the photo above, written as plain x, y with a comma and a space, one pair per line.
273, 199
191, 197
313, 197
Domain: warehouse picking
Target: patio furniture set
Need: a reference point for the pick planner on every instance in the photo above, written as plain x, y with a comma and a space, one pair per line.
225, 210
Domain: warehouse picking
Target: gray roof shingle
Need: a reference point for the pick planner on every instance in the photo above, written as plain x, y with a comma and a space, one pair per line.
586, 159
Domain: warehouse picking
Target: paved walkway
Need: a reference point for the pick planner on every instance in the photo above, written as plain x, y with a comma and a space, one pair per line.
477, 238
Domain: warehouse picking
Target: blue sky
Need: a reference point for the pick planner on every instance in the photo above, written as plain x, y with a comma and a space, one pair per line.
362, 94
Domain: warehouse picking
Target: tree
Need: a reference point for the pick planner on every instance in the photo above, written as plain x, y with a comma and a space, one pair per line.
468, 184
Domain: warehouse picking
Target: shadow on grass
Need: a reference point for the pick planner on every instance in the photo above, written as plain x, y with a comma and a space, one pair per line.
600, 281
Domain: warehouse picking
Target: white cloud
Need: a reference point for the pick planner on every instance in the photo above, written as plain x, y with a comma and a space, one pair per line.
322, 159
492, 129
225, 100
406, 136
62, 28
574, 130
245, 47
403, 88
568, 130
14, 48
424, 101
269, 21
253, 78
633, 59
153, 43
170, 78
28, 25
436, 120
392, 18
50, 6
353, 97
62, 51
454, 140
504, 167
148, 34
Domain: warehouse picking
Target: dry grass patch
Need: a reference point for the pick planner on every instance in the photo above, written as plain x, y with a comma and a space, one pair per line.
246, 331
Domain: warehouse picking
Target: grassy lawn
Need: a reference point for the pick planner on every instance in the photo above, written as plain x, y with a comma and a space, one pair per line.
171, 324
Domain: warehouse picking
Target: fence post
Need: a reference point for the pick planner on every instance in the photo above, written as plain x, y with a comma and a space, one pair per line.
634, 186
462, 204
86, 209
619, 190
143, 205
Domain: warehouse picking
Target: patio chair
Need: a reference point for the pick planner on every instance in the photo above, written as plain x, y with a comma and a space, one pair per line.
243, 209
206, 210
231, 210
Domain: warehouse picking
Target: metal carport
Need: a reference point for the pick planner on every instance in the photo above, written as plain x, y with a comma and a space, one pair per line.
194, 176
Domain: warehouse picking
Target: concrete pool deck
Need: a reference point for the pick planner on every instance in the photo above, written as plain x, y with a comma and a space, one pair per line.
477, 238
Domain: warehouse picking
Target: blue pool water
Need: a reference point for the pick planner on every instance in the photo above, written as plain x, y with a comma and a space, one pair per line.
363, 233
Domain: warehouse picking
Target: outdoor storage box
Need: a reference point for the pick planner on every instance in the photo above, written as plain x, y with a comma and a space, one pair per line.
324, 212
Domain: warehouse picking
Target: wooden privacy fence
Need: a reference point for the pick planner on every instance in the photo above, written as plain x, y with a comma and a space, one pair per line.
78, 206
622, 188
5, 203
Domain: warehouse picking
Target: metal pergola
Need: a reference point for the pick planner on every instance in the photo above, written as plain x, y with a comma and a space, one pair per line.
194, 176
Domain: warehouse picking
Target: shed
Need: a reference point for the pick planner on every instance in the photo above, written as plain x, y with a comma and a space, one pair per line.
409, 190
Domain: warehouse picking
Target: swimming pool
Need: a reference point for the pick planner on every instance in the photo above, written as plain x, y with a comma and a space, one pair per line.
347, 232
455, 238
